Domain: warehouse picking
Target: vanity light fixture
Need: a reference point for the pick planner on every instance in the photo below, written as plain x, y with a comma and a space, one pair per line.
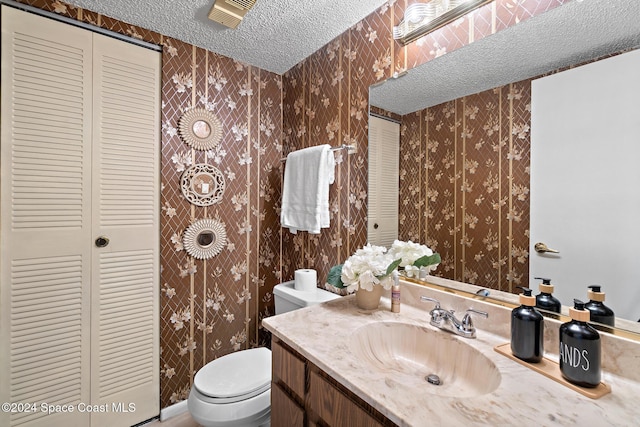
423, 18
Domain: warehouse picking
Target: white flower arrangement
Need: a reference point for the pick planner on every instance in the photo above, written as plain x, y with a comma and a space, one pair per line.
368, 266
414, 256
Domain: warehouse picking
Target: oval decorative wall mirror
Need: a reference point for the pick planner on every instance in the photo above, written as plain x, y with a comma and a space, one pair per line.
202, 184
205, 238
200, 129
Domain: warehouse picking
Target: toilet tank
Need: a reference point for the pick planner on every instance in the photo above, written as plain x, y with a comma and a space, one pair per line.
287, 298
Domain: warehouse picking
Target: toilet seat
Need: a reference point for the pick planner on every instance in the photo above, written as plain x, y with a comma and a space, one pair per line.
235, 376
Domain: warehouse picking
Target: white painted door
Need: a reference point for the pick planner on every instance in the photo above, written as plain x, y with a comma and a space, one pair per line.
79, 159
46, 218
124, 274
585, 201
384, 143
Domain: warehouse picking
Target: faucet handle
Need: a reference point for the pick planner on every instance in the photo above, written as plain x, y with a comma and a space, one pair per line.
482, 313
423, 298
467, 323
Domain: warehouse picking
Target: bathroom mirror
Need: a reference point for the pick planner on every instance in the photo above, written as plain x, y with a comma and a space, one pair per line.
574, 33
205, 238
202, 184
200, 129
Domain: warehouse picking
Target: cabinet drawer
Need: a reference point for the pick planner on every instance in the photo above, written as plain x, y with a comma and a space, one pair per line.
284, 411
334, 407
288, 369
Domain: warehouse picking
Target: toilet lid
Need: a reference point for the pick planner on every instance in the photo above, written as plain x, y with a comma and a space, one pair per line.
238, 375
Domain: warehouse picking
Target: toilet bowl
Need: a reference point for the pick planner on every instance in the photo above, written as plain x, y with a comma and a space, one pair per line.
235, 390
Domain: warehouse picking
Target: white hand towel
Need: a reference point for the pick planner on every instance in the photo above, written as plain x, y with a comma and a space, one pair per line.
305, 191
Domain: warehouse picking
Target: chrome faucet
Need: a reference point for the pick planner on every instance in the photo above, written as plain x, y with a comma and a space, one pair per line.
446, 319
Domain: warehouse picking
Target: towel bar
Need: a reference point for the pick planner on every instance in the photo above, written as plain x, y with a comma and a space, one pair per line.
340, 147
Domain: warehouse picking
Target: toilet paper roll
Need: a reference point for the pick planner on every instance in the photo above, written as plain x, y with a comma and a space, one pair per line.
305, 280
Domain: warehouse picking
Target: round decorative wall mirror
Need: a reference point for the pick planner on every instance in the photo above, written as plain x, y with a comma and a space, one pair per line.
200, 129
202, 184
205, 238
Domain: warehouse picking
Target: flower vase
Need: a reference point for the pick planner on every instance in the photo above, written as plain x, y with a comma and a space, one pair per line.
369, 300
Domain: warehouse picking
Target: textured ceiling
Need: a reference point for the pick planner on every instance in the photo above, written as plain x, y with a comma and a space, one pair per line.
275, 35
573, 33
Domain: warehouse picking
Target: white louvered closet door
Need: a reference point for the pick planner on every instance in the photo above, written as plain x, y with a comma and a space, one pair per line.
79, 160
46, 218
384, 143
126, 158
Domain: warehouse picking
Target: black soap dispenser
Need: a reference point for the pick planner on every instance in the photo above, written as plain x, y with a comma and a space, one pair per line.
580, 348
599, 312
545, 300
527, 329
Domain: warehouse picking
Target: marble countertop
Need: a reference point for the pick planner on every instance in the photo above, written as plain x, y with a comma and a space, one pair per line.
323, 334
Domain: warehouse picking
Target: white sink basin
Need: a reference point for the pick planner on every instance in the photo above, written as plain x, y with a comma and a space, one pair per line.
407, 354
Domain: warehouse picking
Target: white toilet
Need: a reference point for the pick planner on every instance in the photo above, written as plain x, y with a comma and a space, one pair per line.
235, 390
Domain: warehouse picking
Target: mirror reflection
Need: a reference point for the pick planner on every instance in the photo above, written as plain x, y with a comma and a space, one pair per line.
201, 129
513, 55
203, 184
206, 238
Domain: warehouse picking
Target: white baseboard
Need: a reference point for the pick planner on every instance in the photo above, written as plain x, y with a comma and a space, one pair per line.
173, 410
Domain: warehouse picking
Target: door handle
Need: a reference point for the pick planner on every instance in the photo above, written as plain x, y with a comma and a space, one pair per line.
102, 241
542, 248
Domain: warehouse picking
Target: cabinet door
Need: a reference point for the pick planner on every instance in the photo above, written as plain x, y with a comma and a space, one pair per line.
288, 369
46, 219
285, 412
334, 407
126, 161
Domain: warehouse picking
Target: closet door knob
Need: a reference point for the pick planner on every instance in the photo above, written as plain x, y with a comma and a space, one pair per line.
375, 226
102, 241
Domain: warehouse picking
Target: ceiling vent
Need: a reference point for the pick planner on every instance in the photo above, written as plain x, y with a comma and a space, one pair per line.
230, 12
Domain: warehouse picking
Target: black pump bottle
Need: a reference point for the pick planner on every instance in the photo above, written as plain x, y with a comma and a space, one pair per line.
599, 312
580, 348
527, 329
546, 301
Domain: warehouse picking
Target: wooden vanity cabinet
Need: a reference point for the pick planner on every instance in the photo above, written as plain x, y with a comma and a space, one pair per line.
302, 395
285, 411
287, 387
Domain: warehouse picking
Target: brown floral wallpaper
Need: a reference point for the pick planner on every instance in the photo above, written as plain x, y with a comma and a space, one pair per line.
211, 308
464, 185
